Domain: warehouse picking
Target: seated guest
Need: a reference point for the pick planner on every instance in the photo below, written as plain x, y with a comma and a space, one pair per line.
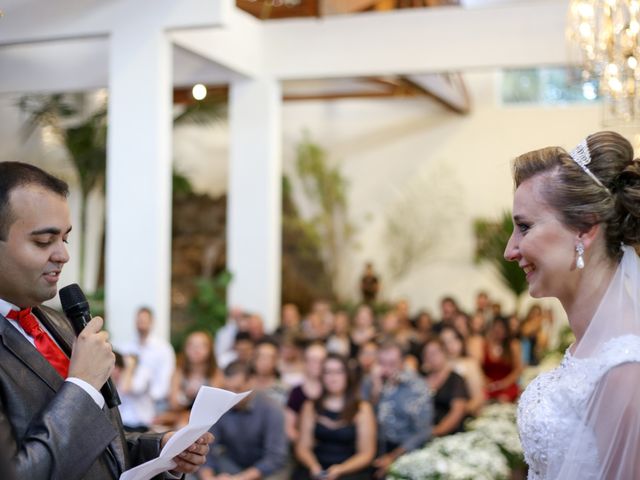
448, 311
461, 323
502, 362
366, 359
447, 389
533, 335
133, 382
403, 408
197, 367
474, 343
423, 324
237, 322
290, 323
243, 348
389, 327
249, 439
291, 360
265, 377
310, 388
155, 354
316, 326
364, 329
337, 431
339, 340
465, 366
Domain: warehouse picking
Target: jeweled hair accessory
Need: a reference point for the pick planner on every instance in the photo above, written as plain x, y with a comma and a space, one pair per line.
582, 157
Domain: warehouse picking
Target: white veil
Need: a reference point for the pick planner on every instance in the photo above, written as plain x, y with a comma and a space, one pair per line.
606, 445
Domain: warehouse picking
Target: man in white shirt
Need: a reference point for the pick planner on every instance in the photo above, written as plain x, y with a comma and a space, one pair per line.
155, 355
226, 336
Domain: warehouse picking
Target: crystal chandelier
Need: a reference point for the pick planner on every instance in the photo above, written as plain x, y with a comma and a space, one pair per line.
606, 34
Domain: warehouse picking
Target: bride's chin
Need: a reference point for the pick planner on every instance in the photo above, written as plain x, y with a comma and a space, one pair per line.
533, 292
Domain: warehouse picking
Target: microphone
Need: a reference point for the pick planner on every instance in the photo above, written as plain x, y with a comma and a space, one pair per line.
76, 308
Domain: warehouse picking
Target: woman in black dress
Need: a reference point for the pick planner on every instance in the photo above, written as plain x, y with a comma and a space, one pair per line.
338, 430
447, 388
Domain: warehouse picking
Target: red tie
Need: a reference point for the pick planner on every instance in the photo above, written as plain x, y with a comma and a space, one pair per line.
45, 345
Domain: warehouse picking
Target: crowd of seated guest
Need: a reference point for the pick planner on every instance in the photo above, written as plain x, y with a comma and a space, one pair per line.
352, 391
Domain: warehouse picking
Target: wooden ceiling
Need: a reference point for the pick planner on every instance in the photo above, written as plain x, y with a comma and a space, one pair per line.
448, 90
272, 9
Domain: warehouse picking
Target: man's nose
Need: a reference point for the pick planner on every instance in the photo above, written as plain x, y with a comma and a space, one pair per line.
61, 254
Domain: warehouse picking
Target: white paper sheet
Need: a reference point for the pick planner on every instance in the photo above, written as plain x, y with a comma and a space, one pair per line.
210, 404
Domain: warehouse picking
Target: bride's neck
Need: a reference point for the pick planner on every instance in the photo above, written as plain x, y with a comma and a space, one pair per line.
583, 300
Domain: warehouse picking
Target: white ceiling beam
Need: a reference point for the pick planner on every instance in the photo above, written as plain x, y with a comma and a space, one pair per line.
27, 21
415, 41
61, 66
239, 46
83, 64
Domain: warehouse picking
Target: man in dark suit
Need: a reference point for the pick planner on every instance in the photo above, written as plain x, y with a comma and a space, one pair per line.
53, 421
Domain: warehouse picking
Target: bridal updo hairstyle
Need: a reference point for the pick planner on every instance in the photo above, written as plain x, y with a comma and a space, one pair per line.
579, 200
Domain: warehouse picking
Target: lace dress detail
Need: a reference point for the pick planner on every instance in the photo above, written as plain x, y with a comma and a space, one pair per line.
551, 410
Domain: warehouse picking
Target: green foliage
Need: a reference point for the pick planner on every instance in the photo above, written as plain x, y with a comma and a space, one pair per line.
321, 181
304, 276
326, 187
491, 241
96, 302
208, 307
181, 184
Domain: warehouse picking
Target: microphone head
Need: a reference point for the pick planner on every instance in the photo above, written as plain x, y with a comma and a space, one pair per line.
72, 296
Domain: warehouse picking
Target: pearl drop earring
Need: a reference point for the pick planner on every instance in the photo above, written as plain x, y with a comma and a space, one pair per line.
580, 252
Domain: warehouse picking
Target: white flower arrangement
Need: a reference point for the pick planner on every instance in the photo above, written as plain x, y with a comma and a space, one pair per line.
485, 451
501, 431
499, 411
463, 456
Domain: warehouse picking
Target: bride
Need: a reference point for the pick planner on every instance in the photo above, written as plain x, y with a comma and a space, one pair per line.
576, 222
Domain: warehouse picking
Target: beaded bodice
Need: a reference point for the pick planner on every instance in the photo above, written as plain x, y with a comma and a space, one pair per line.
552, 408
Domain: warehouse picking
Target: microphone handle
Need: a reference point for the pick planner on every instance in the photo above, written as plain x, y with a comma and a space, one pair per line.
79, 320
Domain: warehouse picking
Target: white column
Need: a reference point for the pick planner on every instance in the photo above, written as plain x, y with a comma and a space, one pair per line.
255, 197
138, 256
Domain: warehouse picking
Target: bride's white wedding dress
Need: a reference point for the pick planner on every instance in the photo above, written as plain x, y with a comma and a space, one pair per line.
552, 412
581, 421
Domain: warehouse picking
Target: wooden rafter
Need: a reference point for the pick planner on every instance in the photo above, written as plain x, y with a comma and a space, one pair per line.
449, 90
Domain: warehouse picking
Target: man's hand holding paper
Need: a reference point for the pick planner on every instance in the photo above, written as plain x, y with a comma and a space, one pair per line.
184, 451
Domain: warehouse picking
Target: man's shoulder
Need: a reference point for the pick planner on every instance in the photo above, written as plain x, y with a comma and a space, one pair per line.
159, 345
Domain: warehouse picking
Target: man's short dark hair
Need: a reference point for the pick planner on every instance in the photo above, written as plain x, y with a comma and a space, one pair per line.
237, 368
18, 174
147, 310
391, 344
243, 337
